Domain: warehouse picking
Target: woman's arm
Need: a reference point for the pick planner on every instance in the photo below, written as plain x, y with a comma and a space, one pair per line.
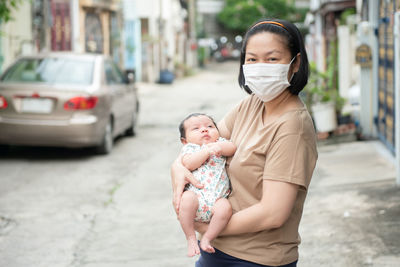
180, 176
271, 212
223, 130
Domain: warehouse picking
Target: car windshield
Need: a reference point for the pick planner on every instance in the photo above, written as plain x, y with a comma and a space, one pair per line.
51, 70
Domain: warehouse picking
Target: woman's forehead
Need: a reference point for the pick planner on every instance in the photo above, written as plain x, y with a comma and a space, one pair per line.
268, 41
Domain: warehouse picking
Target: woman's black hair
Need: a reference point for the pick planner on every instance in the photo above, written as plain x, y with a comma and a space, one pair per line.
182, 124
295, 44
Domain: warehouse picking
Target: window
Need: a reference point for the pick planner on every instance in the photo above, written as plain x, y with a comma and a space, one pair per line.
113, 74
52, 71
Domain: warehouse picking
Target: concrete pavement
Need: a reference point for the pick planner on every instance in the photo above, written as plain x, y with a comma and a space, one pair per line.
352, 213
72, 209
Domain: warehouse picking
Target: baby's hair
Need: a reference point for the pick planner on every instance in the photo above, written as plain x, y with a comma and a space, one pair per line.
182, 127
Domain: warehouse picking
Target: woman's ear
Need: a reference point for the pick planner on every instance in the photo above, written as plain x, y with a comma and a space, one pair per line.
183, 141
296, 63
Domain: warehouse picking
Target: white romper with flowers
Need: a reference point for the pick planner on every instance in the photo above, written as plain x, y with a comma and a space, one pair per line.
213, 176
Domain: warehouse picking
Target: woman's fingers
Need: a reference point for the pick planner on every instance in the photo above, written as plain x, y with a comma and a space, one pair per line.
180, 176
177, 196
180, 186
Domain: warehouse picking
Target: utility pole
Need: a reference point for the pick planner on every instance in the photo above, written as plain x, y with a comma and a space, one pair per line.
396, 33
192, 32
160, 35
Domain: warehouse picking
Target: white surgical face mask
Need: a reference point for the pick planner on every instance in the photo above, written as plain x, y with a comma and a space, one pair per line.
266, 80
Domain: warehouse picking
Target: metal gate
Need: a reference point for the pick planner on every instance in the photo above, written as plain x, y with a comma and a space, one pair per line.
386, 91
61, 28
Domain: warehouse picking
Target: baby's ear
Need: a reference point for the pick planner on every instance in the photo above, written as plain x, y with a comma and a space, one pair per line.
183, 141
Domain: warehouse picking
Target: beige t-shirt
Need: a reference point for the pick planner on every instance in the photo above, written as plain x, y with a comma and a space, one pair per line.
283, 150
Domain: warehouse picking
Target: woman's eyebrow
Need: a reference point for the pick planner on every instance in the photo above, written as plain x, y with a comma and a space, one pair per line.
267, 53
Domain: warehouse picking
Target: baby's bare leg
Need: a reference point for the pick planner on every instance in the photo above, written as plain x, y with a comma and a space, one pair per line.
187, 213
222, 212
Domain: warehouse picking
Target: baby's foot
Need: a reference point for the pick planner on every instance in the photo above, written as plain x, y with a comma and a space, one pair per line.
193, 247
206, 246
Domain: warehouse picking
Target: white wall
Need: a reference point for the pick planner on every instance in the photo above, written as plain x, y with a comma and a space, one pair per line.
209, 6
77, 46
16, 37
319, 43
149, 9
347, 69
172, 33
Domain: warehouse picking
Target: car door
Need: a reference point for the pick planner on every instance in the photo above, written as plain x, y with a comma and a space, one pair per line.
128, 107
129, 101
116, 87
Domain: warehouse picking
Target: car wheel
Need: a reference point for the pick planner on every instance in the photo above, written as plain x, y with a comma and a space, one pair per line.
108, 140
131, 131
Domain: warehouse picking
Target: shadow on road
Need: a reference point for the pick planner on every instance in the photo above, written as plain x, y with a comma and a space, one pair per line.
48, 153
44, 153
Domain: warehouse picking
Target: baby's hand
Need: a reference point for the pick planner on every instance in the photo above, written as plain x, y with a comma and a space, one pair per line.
214, 149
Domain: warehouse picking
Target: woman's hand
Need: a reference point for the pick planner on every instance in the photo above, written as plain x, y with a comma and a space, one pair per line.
200, 227
181, 176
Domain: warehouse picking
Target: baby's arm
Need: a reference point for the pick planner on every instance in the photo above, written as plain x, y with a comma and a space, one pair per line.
228, 148
195, 160
225, 148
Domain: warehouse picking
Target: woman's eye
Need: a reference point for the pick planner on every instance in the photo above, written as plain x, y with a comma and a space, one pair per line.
250, 59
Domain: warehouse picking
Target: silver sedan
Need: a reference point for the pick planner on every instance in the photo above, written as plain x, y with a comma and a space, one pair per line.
68, 100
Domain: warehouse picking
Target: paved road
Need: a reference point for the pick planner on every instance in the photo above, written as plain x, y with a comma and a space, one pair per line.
70, 208
352, 212
61, 207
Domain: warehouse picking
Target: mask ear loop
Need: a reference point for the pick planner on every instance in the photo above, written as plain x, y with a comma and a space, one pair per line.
293, 59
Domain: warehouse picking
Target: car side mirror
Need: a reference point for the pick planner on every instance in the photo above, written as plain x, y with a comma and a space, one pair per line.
130, 76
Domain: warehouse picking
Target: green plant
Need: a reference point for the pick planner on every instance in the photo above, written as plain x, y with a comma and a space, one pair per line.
345, 14
322, 86
238, 15
181, 69
319, 89
6, 9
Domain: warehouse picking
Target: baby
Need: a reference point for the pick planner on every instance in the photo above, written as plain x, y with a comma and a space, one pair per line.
204, 153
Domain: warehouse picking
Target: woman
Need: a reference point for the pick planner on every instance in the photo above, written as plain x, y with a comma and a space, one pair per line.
275, 157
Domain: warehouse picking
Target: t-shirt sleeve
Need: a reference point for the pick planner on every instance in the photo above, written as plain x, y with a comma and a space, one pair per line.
189, 149
290, 159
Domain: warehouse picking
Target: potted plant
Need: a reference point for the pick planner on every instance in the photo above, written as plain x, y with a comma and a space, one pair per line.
322, 100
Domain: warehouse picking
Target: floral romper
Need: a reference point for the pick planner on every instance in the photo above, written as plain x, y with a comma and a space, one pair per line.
212, 175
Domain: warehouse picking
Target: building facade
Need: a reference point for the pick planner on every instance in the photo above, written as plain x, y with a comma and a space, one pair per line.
379, 32
141, 36
63, 25
16, 36
166, 36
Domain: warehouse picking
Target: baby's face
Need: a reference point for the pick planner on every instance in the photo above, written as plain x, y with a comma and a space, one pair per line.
200, 130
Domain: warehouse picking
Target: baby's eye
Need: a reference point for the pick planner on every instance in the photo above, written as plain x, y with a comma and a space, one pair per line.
210, 126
